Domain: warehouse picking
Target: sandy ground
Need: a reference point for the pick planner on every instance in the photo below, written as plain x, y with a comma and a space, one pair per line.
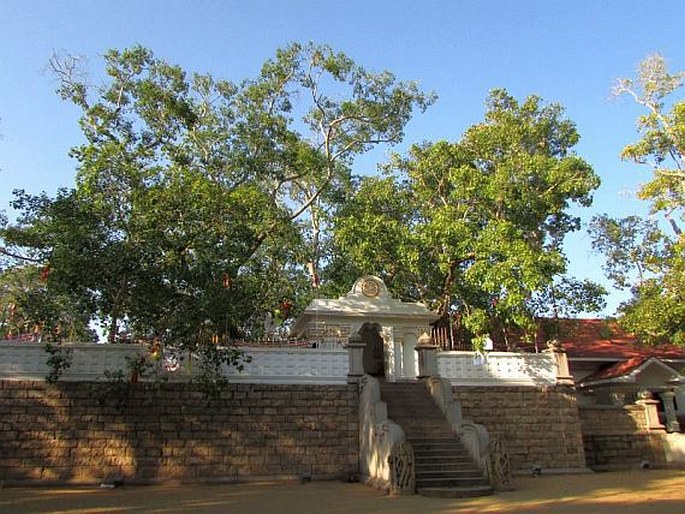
655, 491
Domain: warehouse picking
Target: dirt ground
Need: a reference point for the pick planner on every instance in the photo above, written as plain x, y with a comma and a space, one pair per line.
637, 492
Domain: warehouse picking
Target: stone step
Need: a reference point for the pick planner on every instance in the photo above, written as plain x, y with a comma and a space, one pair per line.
447, 466
443, 467
451, 482
457, 464
413, 413
445, 449
420, 421
470, 473
455, 492
412, 435
424, 426
437, 449
440, 457
424, 459
429, 458
410, 404
436, 441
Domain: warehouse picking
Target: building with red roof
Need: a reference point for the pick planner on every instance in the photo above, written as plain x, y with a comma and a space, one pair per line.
609, 365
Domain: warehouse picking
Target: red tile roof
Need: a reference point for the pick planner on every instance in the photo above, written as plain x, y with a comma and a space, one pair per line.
624, 368
598, 338
616, 370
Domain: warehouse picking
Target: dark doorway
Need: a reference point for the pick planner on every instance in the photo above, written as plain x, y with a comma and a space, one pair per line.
374, 363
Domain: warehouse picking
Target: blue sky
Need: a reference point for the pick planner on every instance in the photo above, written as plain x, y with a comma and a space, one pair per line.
569, 52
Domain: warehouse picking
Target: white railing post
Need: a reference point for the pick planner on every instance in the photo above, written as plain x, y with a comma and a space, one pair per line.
563, 374
428, 356
650, 405
355, 349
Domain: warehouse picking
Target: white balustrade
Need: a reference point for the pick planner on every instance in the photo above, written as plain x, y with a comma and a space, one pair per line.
497, 368
292, 366
28, 361
285, 365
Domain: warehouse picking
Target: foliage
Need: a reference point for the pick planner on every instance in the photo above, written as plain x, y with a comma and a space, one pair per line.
199, 203
139, 366
641, 255
475, 227
566, 297
662, 146
212, 360
114, 390
28, 306
58, 361
634, 248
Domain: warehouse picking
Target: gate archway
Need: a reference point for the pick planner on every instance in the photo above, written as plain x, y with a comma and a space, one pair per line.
389, 326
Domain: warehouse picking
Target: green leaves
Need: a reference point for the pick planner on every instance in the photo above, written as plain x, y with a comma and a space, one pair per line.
662, 145
631, 244
475, 227
199, 203
640, 253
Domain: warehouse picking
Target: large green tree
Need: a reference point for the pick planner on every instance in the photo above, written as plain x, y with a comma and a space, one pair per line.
28, 308
644, 256
199, 202
475, 227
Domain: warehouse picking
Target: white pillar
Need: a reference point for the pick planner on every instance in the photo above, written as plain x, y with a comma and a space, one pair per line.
399, 355
646, 399
672, 424
409, 356
355, 349
428, 358
561, 360
389, 353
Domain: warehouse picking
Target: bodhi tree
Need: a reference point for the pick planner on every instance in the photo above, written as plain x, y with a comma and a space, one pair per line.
645, 256
199, 202
475, 227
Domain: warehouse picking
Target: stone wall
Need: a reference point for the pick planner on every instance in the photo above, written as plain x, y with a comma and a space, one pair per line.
538, 425
146, 432
612, 419
617, 437
608, 452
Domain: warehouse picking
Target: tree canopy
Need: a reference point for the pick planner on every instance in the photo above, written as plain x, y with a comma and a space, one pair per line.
643, 255
198, 202
201, 204
475, 227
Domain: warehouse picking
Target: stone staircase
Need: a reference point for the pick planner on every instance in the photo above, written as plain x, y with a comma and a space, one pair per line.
443, 466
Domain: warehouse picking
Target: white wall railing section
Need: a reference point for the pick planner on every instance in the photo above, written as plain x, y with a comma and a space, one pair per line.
288, 365
284, 365
28, 361
497, 368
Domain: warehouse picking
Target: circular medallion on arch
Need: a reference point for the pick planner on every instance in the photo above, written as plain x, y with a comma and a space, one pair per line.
370, 288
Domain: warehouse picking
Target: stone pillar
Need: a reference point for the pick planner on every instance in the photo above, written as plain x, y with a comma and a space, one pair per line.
398, 355
355, 352
672, 424
646, 399
389, 357
563, 374
428, 356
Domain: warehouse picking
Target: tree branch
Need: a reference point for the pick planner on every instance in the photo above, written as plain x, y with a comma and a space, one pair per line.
8, 253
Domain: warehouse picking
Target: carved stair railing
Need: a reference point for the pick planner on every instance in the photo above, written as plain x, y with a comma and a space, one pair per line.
490, 455
386, 458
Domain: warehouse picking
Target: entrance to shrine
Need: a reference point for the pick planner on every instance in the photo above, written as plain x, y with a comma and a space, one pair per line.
389, 327
374, 361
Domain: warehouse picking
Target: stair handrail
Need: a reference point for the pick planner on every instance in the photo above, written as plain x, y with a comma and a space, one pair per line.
386, 458
473, 436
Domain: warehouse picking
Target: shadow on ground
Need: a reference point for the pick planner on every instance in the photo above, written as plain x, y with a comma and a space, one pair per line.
624, 492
